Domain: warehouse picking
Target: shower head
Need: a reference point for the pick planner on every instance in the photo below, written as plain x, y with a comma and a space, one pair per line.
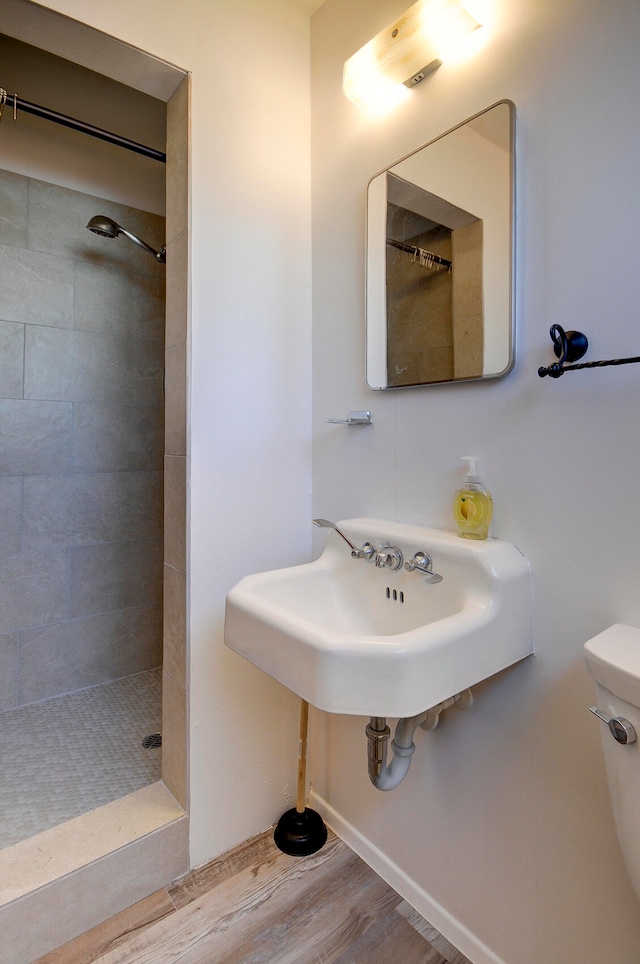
107, 228
103, 226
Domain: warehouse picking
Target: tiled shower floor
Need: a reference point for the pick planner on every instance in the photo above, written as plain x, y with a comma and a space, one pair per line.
73, 753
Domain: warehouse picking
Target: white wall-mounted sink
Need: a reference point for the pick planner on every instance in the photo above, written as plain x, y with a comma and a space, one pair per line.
352, 638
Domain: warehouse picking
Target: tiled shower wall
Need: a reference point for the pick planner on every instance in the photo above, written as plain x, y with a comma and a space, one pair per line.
81, 443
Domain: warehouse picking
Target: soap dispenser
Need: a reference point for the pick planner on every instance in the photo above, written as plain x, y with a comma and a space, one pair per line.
472, 504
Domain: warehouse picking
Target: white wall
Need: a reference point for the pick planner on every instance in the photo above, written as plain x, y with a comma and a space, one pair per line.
249, 396
504, 819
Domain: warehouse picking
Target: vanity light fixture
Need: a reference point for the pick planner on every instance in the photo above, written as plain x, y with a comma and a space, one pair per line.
402, 54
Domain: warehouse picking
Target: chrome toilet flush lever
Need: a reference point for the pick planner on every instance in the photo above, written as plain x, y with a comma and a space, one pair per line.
421, 562
621, 729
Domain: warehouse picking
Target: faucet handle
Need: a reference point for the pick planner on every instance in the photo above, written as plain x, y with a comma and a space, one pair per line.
367, 552
421, 562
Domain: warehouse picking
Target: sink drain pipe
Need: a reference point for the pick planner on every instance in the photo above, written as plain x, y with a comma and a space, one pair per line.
389, 777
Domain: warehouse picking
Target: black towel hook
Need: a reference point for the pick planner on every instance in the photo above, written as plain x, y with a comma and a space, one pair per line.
569, 346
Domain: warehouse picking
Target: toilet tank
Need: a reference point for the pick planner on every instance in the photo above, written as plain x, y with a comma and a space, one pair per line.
613, 661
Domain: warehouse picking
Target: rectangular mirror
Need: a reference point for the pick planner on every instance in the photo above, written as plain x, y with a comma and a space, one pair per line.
439, 258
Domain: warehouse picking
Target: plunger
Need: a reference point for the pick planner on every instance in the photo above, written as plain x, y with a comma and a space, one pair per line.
301, 831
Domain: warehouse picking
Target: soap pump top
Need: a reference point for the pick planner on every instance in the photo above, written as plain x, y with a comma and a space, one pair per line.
471, 468
472, 504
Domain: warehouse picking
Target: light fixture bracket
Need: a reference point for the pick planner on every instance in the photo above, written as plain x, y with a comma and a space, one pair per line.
422, 73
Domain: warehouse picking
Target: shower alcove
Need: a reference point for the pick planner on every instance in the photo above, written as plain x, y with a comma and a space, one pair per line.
89, 312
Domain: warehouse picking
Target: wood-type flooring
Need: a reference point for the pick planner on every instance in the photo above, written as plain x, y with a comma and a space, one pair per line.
256, 905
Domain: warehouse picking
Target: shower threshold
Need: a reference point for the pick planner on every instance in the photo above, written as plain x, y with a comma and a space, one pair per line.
66, 880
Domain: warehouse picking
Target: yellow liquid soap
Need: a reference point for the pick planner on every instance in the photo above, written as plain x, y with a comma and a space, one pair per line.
472, 512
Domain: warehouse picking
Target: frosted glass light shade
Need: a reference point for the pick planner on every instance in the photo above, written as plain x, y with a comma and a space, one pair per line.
405, 51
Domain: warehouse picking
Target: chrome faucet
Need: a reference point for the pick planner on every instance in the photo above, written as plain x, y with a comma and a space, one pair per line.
384, 555
422, 562
388, 557
368, 550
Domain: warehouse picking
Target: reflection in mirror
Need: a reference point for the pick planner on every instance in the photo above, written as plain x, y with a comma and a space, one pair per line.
439, 305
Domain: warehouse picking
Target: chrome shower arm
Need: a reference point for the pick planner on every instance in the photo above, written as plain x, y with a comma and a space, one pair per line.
108, 228
158, 255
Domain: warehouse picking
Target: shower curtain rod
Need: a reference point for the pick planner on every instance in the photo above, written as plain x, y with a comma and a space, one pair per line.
420, 253
15, 103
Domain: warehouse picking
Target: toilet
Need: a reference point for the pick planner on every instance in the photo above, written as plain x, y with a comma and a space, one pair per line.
613, 660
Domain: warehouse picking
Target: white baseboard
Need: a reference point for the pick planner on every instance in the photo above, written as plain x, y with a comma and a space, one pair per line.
427, 907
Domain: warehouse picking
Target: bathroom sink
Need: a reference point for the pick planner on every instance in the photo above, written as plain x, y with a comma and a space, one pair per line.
352, 637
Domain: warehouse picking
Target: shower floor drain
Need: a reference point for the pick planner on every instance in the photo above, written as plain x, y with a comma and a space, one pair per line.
152, 741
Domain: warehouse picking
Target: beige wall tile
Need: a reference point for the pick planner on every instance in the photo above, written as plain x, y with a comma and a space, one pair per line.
178, 110
436, 365
11, 359
119, 302
175, 625
116, 575
177, 288
65, 656
468, 324
177, 161
14, 193
111, 437
62, 510
91, 366
36, 436
36, 287
174, 738
34, 588
175, 496
176, 400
